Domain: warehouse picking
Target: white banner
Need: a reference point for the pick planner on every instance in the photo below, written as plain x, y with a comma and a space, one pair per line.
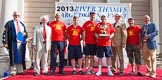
82, 10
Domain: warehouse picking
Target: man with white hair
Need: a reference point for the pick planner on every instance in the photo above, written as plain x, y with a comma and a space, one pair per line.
15, 37
118, 43
149, 45
42, 45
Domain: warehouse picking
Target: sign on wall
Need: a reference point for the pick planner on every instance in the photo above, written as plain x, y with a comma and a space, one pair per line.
82, 10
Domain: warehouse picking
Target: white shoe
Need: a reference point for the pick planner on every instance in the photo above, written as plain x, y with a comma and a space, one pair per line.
13, 73
98, 73
147, 74
110, 73
153, 76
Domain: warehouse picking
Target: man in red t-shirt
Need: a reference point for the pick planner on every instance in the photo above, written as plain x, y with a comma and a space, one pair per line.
133, 46
74, 33
104, 33
58, 42
89, 42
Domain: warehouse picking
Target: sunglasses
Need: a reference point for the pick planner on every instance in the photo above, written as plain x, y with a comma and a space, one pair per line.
16, 15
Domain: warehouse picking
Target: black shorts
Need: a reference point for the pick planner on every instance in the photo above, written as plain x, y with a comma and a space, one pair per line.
104, 49
89, 49
75, 52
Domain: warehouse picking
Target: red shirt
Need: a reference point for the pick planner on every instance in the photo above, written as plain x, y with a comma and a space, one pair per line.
103, 41
133, 35
89, 27
74, 35
58, 31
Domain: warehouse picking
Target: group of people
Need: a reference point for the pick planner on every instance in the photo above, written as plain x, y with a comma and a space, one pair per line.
102, 39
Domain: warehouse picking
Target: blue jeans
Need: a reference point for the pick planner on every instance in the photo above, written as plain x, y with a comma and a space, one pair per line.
60, 45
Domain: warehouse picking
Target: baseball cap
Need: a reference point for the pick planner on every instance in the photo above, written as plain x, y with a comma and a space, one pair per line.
92, 12
130, 18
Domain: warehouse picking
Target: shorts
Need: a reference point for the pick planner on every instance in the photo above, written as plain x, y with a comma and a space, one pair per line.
133, 54
89, 49
75, 52
104, 51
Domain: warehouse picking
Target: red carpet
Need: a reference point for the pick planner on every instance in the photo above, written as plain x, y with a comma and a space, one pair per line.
69, 76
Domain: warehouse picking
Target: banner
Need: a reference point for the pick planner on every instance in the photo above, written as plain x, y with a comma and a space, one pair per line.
82, 10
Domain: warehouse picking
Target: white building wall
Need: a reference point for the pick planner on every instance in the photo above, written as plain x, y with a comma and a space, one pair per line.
139, 9
33, 9
160, 26
0, 21
92, 1
7, 9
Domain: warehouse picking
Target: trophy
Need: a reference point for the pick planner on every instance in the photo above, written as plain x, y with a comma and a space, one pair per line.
103, 31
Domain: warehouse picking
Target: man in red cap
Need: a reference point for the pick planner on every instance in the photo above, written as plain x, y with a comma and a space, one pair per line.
104, 32
133, 46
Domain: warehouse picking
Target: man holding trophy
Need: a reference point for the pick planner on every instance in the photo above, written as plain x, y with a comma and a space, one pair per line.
103, 32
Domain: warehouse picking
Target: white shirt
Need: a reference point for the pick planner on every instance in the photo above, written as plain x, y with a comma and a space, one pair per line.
21, 26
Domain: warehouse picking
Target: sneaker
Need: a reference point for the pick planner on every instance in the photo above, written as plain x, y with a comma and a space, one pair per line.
92, 71
153, 76
110, 73
113, 71
139, 74
80, 72
74, 72
87, 72
132, 73
121, 73
147, 74
98, 73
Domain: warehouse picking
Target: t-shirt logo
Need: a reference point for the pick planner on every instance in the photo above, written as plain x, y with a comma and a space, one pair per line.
92, 28
58, 27
75, 32
130, 33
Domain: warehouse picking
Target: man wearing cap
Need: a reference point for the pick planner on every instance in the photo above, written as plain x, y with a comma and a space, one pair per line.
103, 33
133, 46
89, 42
118, 43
